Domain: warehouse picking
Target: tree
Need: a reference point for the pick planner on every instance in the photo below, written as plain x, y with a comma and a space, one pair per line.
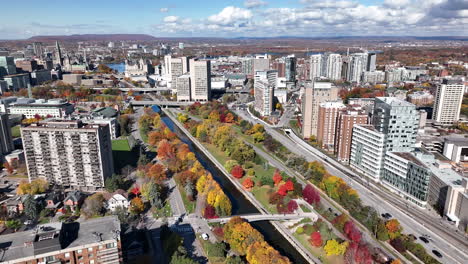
114, 183
157, 172
36, 186
240, 235
339, 221
316, 171
316, 239
209, 212
393, 228
8, 167
277, 178
292, 206
248, 183
30, 207
229, 118
285, 188
261, 252
165, 150
237, 172
398, 244
230, 164
93, 205
332, 247
258, 137
136, 206
189, 190
151, 192
13, 224
180, 257
234, 260
352, 232
311, 195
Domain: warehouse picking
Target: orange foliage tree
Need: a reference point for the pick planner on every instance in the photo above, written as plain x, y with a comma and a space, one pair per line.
316, 239
277, 178
248, 183
157, 172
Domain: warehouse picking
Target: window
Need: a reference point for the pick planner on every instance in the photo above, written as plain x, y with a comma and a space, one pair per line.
111, 245
50, 258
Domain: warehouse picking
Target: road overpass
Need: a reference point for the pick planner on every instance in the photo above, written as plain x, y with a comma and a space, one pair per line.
136, 89
160, 103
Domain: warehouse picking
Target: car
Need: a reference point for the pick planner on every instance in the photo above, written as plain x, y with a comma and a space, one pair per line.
205, 236
386, 215
423, 239
437, 253
28, 222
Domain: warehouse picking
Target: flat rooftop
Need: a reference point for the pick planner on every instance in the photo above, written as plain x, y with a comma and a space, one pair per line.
393, 101
45, 237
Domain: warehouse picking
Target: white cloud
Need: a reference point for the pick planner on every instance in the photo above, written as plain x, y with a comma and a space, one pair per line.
230, 15
164, 10
171, 19
254, 3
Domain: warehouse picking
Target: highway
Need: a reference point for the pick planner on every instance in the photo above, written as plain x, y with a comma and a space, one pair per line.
454, 247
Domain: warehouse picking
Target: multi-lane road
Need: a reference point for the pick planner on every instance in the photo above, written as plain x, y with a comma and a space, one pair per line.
453, 246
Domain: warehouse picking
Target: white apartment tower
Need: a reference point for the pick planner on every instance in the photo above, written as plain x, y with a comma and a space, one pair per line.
315, 66
334, 62
448, 100
68, 153
357, 65
264, 85
183, 88
200, 80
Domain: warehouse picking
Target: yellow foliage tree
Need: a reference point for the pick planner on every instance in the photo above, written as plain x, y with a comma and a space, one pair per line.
334, 248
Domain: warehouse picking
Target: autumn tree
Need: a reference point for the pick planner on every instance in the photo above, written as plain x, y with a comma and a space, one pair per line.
292, 206
165, 150
311, 195
285, 188
277, 178
237, 171
136, 206
152, 193
229, 118
261, 252
157, 173
352, 232
316, 239
230, 164
93, 205
240, 235
333, 247
248, 183
36, 186
209, 212
393, 228
8, 167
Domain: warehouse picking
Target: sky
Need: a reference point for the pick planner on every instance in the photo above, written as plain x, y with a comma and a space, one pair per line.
235, 18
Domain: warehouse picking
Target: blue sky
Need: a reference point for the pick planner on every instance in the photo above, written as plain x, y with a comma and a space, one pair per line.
234, 18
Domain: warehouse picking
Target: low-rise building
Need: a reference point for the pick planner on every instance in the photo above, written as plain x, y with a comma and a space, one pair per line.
90, 242
17, 81
72, 79
456, 149
56, 108
117, 199
456, 204
421, 98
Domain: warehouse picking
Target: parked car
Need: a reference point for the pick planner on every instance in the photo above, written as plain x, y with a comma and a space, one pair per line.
423, 239
386, 215
205, 236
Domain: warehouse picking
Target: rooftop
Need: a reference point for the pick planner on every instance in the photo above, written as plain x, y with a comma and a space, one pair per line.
393, 101
57, 236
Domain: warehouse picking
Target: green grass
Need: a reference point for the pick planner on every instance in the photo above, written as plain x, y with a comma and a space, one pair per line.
318, 252
120, 145
261, 194
212, 260
189, 206
166, 211
15, 131
305, 209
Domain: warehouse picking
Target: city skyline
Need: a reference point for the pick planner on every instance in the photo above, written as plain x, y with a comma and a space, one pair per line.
239, 18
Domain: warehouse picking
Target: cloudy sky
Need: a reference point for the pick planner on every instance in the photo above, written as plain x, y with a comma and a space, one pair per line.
235, 18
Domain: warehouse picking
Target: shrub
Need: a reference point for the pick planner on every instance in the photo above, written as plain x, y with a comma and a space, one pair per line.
300, 230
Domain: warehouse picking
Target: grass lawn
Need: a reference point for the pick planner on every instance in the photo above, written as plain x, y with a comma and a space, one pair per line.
15, 131
318, 252
305, 209
218, 154
261, 194
189, 206
166, 211
212, 260
120, 145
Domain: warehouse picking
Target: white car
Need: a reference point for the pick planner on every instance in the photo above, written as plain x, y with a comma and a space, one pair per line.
205, 236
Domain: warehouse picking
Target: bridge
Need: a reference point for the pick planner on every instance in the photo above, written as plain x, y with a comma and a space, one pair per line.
159, 102
266, 217
136, 89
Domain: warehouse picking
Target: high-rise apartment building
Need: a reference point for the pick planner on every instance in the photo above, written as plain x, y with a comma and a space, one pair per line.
290, 72
38, 49
315, 66
315, 93
280, 67
68, 153
264, 85
183, 88
448, 100
357, 65
261, 63
346, 120
333, 64
248, 67
200, 80
371, 61
6, 141
326, 126
89, 242
367, 151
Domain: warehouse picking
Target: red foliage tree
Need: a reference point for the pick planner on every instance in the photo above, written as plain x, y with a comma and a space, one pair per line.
237, 171
363, 255
219, 232
210, 212
248, 183
275, 198
282, 208
292, 206
289, 185
316, 239
277, 178
283, 190
135, 190
311, 195
352, 232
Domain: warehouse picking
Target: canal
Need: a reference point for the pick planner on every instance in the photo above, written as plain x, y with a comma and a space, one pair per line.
240, 205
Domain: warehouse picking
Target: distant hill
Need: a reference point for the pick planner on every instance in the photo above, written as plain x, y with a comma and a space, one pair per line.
95, 37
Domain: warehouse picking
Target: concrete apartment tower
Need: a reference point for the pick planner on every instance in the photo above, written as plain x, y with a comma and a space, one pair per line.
6, 141
68, 153
448, 100
346, 120
200, 80
264, 86
326, 127
183, 88
315, 66
314, 94
334, 63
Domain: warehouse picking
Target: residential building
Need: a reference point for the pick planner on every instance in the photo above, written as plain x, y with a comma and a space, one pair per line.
261, 63
456, 149
68, 153
264, 85
405, 174
280, 67
248, 67
90, 242
371, 61
183, 88
373, 77
6, 140
448, 100
333, 66
51, 108
346, 120
117, 199
178, 67
421, 98
315, 66
367, 151
200, 80
7, 66
456, 204
326, 126
290, 72
315, 93
17, 81
357, 65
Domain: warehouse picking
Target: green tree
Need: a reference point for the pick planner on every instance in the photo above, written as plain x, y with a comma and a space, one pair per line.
152, 192
13, 224
30, 207
234, 260
114, 182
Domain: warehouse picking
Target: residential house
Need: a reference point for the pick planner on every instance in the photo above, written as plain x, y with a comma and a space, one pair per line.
119, 198
74, 200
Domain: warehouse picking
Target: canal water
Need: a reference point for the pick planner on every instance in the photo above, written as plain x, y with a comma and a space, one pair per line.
240, 205
119, 67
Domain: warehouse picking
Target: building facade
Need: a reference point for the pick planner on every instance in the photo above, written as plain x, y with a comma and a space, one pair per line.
326, 127
183, 88
264, 86
52, 108
17, 81
345, 123
68, 153
6, 141
200, 80
334, 64
448, 100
